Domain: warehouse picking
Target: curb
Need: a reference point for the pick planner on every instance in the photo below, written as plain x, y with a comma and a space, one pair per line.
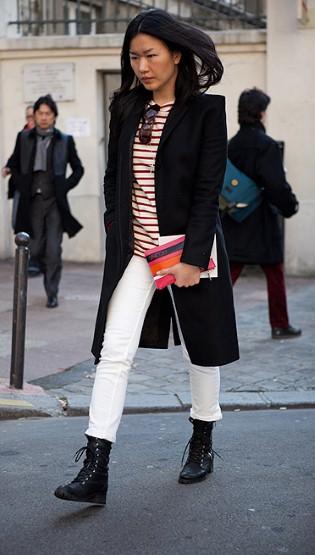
35, 407
13, 413
30, 402
226, 407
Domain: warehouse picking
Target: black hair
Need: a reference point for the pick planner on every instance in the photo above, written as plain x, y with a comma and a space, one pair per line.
198, 69
48, 100
251, 104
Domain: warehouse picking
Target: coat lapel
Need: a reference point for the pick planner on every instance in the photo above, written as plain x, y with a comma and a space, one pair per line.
175, 116
28, 146
130, 125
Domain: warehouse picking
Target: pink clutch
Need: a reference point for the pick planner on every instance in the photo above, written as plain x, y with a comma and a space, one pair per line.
163, 257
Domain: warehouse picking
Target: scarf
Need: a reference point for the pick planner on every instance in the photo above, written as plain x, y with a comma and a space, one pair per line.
43, 140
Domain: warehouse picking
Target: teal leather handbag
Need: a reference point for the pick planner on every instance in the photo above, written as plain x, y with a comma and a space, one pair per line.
240, 195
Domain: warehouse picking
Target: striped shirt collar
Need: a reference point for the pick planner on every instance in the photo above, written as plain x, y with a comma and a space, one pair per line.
163, 107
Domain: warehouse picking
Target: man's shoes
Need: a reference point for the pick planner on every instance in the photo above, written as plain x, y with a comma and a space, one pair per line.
52, 302
285, 333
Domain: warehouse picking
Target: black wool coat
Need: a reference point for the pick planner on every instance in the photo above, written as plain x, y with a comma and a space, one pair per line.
189, 169
258, 239
21, 164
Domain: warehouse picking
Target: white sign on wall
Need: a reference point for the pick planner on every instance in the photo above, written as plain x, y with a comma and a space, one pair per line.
78, 127
54, 79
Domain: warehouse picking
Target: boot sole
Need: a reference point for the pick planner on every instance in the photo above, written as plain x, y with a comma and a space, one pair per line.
194, 480
96, 499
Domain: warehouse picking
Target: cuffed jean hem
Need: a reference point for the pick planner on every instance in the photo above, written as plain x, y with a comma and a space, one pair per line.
92, 432
214, 417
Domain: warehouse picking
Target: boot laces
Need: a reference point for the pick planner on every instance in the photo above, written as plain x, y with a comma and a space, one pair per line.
199, 445
78, 454
88, 464
197, 449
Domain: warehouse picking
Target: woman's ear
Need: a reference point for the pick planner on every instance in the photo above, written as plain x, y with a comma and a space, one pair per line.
177, 57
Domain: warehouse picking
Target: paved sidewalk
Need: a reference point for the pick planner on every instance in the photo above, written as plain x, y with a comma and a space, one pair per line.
279, 374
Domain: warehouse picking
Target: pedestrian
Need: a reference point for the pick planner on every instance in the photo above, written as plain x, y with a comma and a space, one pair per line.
38, 166
29, 117
258, 239
33, 267
29, 124
167, 156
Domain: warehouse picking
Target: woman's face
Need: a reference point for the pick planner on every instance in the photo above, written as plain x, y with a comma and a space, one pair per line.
154, 64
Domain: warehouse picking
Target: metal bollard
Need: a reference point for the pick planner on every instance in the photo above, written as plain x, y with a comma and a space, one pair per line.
22, 241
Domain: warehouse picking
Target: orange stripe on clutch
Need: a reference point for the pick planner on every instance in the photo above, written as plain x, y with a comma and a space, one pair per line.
155, 267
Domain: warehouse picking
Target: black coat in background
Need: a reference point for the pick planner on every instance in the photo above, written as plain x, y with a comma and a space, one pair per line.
189, 169
21, 164
258, 239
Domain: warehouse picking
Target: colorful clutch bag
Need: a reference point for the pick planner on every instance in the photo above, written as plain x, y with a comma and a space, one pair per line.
164, 256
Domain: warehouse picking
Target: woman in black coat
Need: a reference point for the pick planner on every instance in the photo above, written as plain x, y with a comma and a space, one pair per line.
167, 156
258, 238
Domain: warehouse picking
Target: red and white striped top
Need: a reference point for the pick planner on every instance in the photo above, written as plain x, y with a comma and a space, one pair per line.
144, 216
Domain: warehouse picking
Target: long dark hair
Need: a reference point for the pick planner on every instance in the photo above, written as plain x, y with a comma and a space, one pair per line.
199, 67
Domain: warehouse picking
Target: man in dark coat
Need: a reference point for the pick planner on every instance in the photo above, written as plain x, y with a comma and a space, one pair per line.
258, 239
38, 167
33, 268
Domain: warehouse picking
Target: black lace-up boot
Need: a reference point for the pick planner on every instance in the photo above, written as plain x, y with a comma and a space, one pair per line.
90, 485
199, 462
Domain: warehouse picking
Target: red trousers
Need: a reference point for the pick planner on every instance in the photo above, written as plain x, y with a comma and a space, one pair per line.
277, 301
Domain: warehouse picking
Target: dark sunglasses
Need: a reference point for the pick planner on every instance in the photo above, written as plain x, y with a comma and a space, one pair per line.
148, 119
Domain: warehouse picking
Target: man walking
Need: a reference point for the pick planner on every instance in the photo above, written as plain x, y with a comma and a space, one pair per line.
38, 167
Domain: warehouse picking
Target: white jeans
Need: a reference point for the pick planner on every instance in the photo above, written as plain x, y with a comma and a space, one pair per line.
126, 312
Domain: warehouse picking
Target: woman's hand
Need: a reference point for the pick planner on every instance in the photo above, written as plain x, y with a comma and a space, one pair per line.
186, 275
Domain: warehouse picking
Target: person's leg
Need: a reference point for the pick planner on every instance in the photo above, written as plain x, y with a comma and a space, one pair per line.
205, 391
277, 303
53, 250
37, 243
204, 384
126, 313
235, 270
125, 317
277, 300
205, 410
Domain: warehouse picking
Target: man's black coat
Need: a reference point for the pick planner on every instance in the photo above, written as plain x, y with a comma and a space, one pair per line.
189, 169
258, 239
21, 164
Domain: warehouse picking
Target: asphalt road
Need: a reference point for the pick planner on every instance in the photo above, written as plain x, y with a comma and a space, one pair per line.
259, 501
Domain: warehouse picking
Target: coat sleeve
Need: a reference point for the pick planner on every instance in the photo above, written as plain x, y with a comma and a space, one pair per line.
14, 164
208, 183
75, 163
271, 176
111, 170
14, 161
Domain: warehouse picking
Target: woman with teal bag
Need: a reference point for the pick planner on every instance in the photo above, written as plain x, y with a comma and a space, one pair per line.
258, 239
